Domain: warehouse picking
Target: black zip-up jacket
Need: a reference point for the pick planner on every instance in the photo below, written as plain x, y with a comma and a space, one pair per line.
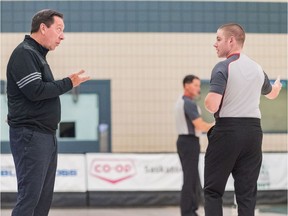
33, 94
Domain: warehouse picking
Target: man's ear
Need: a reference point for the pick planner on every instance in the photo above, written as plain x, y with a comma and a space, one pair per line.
42, 28
232, 39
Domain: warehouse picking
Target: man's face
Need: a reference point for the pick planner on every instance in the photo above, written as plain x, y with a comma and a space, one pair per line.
193, 88
222, 44
54, 34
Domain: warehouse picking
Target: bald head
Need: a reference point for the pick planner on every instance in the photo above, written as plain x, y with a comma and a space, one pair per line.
235, 30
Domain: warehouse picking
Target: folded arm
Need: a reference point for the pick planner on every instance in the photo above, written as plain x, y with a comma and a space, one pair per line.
201, 125
213, 101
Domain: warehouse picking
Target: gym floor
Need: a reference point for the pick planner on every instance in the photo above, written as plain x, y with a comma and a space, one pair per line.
160, 211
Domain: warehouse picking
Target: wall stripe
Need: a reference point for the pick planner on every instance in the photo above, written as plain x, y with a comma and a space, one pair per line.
150, 16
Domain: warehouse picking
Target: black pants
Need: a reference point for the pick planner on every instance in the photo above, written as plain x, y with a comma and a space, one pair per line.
35, 158
188, 149
234, 147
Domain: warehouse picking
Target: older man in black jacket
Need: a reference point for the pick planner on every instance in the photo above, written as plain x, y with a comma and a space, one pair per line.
34, 112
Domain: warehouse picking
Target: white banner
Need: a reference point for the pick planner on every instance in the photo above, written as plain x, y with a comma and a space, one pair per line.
273, 173
70, 175
162, 172
136, 172
133, 172
8, 175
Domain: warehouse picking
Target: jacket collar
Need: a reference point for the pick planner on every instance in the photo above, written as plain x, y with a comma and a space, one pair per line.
43, 51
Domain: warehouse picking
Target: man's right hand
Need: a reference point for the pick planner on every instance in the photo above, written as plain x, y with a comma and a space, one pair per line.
78, 78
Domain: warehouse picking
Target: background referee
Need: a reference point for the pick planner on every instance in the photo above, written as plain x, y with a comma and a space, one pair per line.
189, 126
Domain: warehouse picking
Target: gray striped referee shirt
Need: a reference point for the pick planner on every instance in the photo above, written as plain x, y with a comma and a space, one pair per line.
241, 81
186, 110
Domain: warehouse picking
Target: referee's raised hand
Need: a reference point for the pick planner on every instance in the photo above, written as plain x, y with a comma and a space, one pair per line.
78, 78
277, 83
276, 88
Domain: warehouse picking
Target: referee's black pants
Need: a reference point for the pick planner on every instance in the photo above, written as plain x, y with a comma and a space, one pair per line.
188, 149
35, 158
234, 147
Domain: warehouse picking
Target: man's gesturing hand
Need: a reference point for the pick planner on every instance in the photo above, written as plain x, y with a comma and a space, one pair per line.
78, 78
276, 87
278, 83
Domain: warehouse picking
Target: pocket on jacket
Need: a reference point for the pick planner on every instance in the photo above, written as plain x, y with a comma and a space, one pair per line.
27, 136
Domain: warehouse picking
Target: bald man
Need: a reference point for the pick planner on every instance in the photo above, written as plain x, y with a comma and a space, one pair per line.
235, 141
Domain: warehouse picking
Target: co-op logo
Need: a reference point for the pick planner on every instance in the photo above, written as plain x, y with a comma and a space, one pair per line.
113, 170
